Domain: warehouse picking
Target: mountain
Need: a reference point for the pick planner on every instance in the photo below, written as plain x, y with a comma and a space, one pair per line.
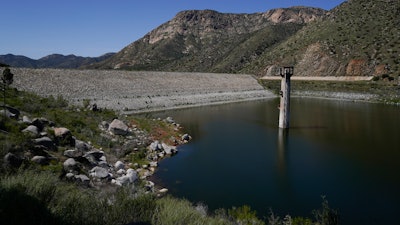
52, 61
18, 61
209, 41
357, 38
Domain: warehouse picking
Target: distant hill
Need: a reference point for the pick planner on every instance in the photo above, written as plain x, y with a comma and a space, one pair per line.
51, 61
357, 38
209, 41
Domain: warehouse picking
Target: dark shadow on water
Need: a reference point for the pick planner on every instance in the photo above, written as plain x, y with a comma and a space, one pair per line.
308, 128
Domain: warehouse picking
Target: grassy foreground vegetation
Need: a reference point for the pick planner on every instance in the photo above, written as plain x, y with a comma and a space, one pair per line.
33, 194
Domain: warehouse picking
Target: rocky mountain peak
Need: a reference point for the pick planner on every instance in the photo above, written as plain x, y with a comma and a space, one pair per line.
203, 22
298, 14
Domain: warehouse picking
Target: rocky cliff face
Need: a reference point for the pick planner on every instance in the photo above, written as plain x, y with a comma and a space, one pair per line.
203, 40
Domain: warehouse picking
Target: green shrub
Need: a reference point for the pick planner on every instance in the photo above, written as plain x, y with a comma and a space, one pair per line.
244, 215
172, 211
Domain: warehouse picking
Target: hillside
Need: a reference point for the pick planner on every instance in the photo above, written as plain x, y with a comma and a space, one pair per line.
209, 41
357, 38
51, 61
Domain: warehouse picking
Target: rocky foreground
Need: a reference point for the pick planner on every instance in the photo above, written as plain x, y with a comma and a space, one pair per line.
133, 91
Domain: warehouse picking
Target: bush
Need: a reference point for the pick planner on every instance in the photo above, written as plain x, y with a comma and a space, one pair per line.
171, 211
31, 197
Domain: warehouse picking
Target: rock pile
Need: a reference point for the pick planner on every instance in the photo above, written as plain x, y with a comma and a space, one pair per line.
85, 164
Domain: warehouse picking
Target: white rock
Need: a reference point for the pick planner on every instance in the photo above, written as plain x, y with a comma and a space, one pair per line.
118, 127
100, 172
169, 150
119, 165
163, 190
121, 172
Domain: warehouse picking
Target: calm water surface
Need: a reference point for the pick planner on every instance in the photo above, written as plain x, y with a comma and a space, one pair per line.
346, 151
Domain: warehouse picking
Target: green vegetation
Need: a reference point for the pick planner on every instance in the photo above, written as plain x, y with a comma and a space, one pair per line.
39, 197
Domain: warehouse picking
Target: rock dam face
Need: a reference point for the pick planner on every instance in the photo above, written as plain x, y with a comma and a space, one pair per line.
139, 91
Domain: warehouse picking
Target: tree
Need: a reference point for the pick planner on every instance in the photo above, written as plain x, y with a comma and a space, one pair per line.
8, 77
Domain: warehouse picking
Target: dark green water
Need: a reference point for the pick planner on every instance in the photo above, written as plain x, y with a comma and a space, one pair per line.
349, 152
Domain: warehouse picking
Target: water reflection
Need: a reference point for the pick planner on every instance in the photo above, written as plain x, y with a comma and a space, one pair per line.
282, 150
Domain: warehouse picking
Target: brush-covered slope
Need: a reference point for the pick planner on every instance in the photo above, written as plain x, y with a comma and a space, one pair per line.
357, 38
209, 41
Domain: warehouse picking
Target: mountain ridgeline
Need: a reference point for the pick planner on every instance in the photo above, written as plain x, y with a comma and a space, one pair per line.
209, 41
357, 38
52, 61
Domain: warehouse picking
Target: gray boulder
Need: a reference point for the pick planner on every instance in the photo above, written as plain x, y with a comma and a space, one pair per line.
12, 160
186, 137
96, 154
169, 150
25, 119
40, 123
83, 179
119, 165
130, 177
32, 129
45, 142
156, 146
117, 127
70, 165
82, 146
41, 160
99, 172
73, 153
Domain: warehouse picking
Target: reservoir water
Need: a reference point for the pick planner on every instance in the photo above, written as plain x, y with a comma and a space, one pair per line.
346, 151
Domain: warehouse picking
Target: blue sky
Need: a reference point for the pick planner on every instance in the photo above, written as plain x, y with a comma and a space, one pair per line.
36, 28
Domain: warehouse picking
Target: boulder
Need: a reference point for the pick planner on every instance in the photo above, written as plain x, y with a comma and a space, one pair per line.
25, 119
45, 142
130, 177
169, 150
121, 172
117, 127
32, 129
97, 154
41, 160
72, 153
70, 165
153, 164
81, 178
61, 132
119, 165
99, 172
7, 113
10, 112
186, 137
104, 125
170, 120
64, 136
156, 146
40, 123
12, 160
103, 164
82, 146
